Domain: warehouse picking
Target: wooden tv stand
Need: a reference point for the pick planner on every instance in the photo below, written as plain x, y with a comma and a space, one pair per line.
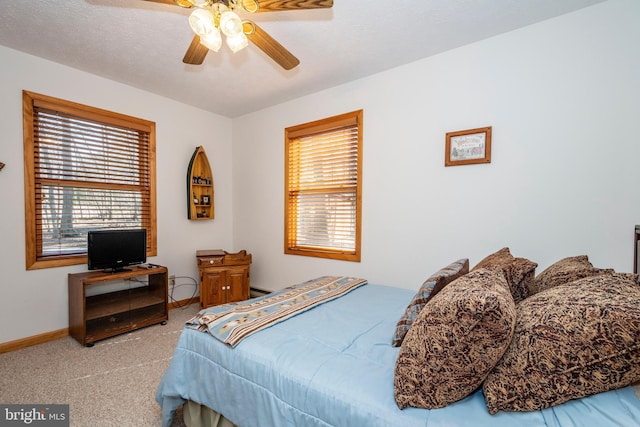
95, 317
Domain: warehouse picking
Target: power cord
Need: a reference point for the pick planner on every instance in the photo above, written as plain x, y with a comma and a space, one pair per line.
173, 301
191, 300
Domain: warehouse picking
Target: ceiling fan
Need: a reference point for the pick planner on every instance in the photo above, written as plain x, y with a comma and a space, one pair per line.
211, 19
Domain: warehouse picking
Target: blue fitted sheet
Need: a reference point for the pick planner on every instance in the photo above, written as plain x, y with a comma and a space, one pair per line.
333, 366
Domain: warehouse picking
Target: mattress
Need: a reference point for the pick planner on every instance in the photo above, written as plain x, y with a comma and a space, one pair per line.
333, 365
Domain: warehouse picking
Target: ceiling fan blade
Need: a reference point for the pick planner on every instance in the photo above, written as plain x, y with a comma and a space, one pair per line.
269, 45
276, 5
196, 53
181, 3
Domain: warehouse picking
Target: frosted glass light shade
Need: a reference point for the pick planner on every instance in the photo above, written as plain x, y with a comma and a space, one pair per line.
238, 42
230, 24
202, 22
212, 41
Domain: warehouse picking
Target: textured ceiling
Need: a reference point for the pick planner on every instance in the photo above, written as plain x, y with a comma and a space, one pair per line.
141, 43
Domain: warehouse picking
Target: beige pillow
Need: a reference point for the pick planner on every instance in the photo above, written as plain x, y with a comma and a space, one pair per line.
519, 272
566, 270
456, 340
570, 341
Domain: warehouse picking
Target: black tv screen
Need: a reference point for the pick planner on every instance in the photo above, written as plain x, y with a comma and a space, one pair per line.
116, 249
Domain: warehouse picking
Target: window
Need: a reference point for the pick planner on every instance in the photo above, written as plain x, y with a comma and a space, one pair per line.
323, 186
85, 169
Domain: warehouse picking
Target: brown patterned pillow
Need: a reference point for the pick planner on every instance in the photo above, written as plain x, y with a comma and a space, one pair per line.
428, 290
455, 341
571, 341
566, 270
519, 272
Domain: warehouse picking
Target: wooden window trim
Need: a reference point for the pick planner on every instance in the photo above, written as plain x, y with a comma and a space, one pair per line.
320, 126
31, 100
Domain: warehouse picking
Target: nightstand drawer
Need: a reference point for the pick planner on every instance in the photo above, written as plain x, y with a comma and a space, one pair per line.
210, 261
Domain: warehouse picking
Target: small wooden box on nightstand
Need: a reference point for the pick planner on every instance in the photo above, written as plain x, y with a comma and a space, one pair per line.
224, 276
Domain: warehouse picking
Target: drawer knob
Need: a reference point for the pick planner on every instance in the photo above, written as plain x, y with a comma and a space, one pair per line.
210, 261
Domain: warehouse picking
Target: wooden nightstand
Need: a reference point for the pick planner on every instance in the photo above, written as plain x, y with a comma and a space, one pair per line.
224, 276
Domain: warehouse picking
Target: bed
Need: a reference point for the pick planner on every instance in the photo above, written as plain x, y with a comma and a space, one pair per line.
334, 365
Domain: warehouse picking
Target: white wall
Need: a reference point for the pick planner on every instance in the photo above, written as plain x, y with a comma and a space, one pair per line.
562, 98
34, 302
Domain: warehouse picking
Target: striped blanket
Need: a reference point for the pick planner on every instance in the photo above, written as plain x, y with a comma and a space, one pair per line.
230, 323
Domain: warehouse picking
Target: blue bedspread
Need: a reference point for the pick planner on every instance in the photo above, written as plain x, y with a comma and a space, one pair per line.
333, 366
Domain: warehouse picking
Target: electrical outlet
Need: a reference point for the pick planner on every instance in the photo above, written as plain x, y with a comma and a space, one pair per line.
172, 280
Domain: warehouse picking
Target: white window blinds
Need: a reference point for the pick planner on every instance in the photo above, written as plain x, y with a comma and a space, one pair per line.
88, 174
323, 187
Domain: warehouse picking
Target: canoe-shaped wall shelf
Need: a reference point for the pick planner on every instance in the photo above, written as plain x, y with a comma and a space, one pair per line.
199, 187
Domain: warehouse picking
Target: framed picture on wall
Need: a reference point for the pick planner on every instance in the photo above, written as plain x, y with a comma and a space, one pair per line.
468, 147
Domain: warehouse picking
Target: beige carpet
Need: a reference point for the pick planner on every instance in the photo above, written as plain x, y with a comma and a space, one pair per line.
112, 383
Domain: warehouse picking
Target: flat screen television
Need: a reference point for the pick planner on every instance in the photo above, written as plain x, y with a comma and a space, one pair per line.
115, 249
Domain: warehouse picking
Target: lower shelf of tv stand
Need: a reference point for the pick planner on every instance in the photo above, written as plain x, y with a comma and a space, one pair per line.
92, 318
118, 302
121, 322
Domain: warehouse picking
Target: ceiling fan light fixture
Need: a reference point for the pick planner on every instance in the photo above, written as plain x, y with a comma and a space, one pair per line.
199, 3
184, 3
251, 6
212, 18
212, 41
202, 22
237, 43
230, 24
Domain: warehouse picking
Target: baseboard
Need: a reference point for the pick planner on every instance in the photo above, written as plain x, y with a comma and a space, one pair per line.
183, 302
61, 333
33, 340
257, 292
